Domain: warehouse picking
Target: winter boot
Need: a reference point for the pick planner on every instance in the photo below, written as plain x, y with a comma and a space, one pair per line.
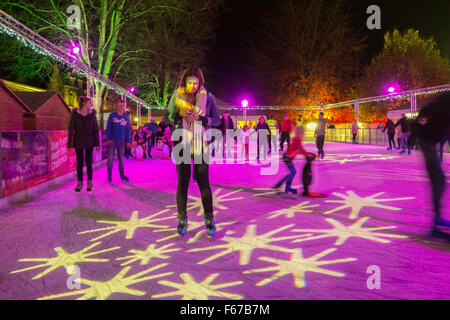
79, 186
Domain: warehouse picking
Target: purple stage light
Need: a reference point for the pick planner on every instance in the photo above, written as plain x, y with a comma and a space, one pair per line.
244, 103
393, 88
76, 50
132, 89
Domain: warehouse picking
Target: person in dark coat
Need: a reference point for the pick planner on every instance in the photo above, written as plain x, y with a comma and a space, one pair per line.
433, 126
405, 133
193, 109
265, 130
83, 135
226, 123
390, 127
153, 128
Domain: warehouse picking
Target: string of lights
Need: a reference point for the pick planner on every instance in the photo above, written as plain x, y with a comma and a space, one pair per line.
13, 28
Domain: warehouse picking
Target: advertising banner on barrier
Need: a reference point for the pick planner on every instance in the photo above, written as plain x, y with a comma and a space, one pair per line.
28, 158
62, 159
24, 160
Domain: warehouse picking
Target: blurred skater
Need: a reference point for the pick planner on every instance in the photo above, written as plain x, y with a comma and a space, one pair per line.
432, 127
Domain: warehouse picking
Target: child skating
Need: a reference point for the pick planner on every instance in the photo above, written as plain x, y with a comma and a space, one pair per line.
293, 150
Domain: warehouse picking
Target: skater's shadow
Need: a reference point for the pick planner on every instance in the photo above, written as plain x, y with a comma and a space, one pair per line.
152, 197
92, 210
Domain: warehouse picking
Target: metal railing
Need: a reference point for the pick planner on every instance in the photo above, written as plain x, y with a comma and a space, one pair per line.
366, 136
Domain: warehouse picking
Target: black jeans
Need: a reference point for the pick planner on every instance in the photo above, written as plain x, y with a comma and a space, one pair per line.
292, 172
117, 146
285, 136
391, 139
320, 140
307, 175
201, 173
435, 172
150, 146
82, 155
354, 137
264, 146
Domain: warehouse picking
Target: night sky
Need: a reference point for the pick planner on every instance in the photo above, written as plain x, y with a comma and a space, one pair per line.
229, 79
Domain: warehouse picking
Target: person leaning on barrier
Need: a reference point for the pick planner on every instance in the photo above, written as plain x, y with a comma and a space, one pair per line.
83, 136
431, 127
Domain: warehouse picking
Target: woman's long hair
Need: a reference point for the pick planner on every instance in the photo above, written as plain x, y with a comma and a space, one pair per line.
192, 71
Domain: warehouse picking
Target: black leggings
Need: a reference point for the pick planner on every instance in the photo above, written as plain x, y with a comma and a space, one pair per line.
391, 139
201, 173
82, 155
307, 175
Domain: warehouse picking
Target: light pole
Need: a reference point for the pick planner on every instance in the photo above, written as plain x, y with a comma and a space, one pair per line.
244, 105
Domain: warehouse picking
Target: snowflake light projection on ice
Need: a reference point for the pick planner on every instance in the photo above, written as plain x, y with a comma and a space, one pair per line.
65, 259
298, 266
290, 212
101, 290
247, 243
193, 226
146, 255
196, 203
343, 233
192, 290
130, 225
356, 203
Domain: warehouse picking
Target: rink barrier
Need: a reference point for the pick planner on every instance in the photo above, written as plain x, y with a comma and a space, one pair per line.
31, 158
365, 136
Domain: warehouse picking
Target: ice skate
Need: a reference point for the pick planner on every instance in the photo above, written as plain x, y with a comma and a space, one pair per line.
182, 226
313, 195
290, 190
210, 227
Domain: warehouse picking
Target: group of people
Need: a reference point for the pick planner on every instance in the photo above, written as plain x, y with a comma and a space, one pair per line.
193, 107
406, 139
151, 135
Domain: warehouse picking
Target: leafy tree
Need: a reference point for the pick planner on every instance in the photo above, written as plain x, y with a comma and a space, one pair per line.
21, 64
56, 83
106, 43
407, 59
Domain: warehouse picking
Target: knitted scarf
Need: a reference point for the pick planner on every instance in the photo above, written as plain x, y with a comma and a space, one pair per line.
193, 132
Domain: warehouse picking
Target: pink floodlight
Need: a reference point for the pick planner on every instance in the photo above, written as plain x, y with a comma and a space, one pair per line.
76, 50
393, 88
132, 89
244, 103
